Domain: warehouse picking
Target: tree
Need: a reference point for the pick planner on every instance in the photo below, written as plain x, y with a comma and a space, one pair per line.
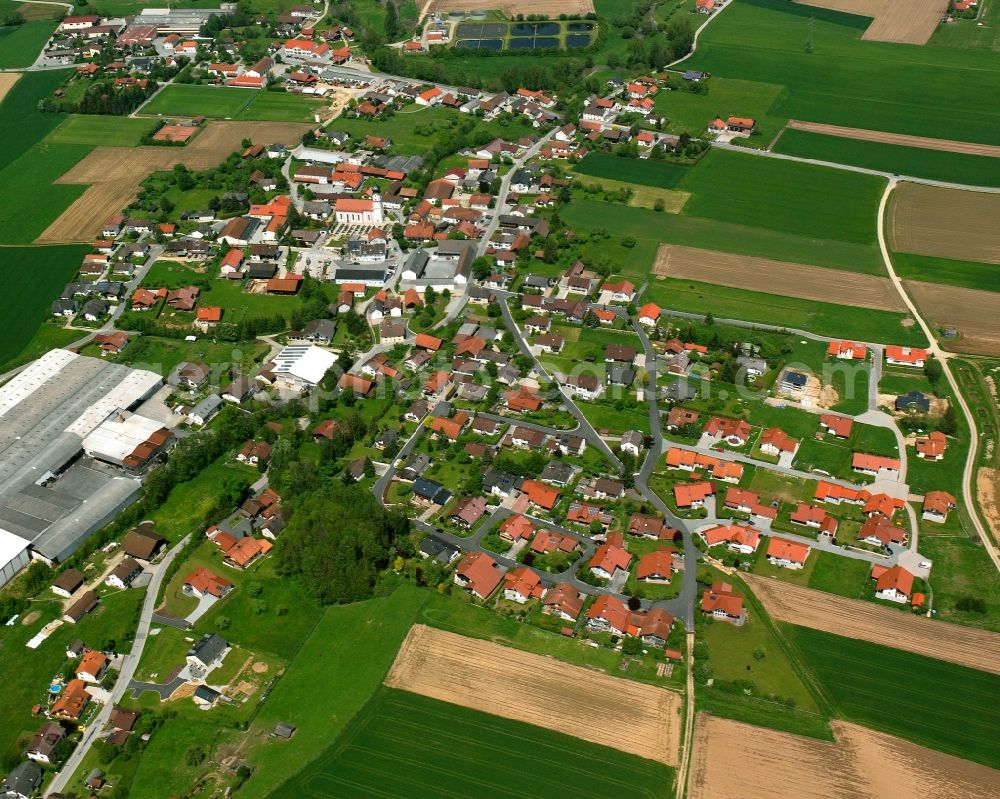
634, 603
949, 422
392, 27
337, 540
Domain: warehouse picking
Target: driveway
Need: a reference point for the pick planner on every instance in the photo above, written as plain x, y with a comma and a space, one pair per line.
204, 605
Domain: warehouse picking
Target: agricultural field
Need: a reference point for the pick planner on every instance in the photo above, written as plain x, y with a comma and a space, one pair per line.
408, 746
953, 167
799, 199
946, 223
21, 123
586, 215
556, 696
107, 131
21, 44
910, 23
794, 280
931, 269
659, 174
842, 80
860, 764
339, 665
27, 301
879, 624
642, 196
976, 314
113, 176
960, 721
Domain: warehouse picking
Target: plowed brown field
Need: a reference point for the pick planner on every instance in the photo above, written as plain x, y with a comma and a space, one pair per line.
902, 139
538, 690
777, 277
948, 223
7, 80
114, 173
861, 764
853, 618
911, 22
511, 7
976, 314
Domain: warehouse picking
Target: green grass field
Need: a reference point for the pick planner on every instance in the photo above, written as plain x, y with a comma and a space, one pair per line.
31, 200
784, 196
837, 575
20, 45
846, 81
932, 703
27, 301
929, 269
408, 746
192, 100
106, 131
661, 174
340, 665
21, 123
691, 113
920, 162
774, 309
281, 107
649, 226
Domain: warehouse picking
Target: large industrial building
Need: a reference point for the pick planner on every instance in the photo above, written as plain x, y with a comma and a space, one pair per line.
54, 491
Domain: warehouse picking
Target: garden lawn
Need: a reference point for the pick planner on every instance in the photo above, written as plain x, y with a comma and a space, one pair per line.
107, 131
188, 503
607, 417
973, 170
187, 100
27, 301
163, 768
838, 575
161, 355
341, 664
843, 80
408, 746
961, 569
961, 720
584, 215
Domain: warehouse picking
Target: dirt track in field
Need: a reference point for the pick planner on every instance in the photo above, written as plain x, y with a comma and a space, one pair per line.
511, 7
947, 223
912, 22
861, 764
988, 488
853, 618
945, 145
114, 173
538, 690
976, 314
777, 277
7, 80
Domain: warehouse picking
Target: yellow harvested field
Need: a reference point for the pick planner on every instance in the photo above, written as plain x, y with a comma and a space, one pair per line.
853, 618
901, 139
511, 7
114, 173
913, 22
947, 223
538, 690
975, 313
7, 80
777, 277
860, 764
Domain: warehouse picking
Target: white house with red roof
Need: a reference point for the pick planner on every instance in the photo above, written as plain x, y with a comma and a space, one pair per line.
736, 537
848, 350
787, 554
906, 356
522, 585
479, 574
894, 584
722, 603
